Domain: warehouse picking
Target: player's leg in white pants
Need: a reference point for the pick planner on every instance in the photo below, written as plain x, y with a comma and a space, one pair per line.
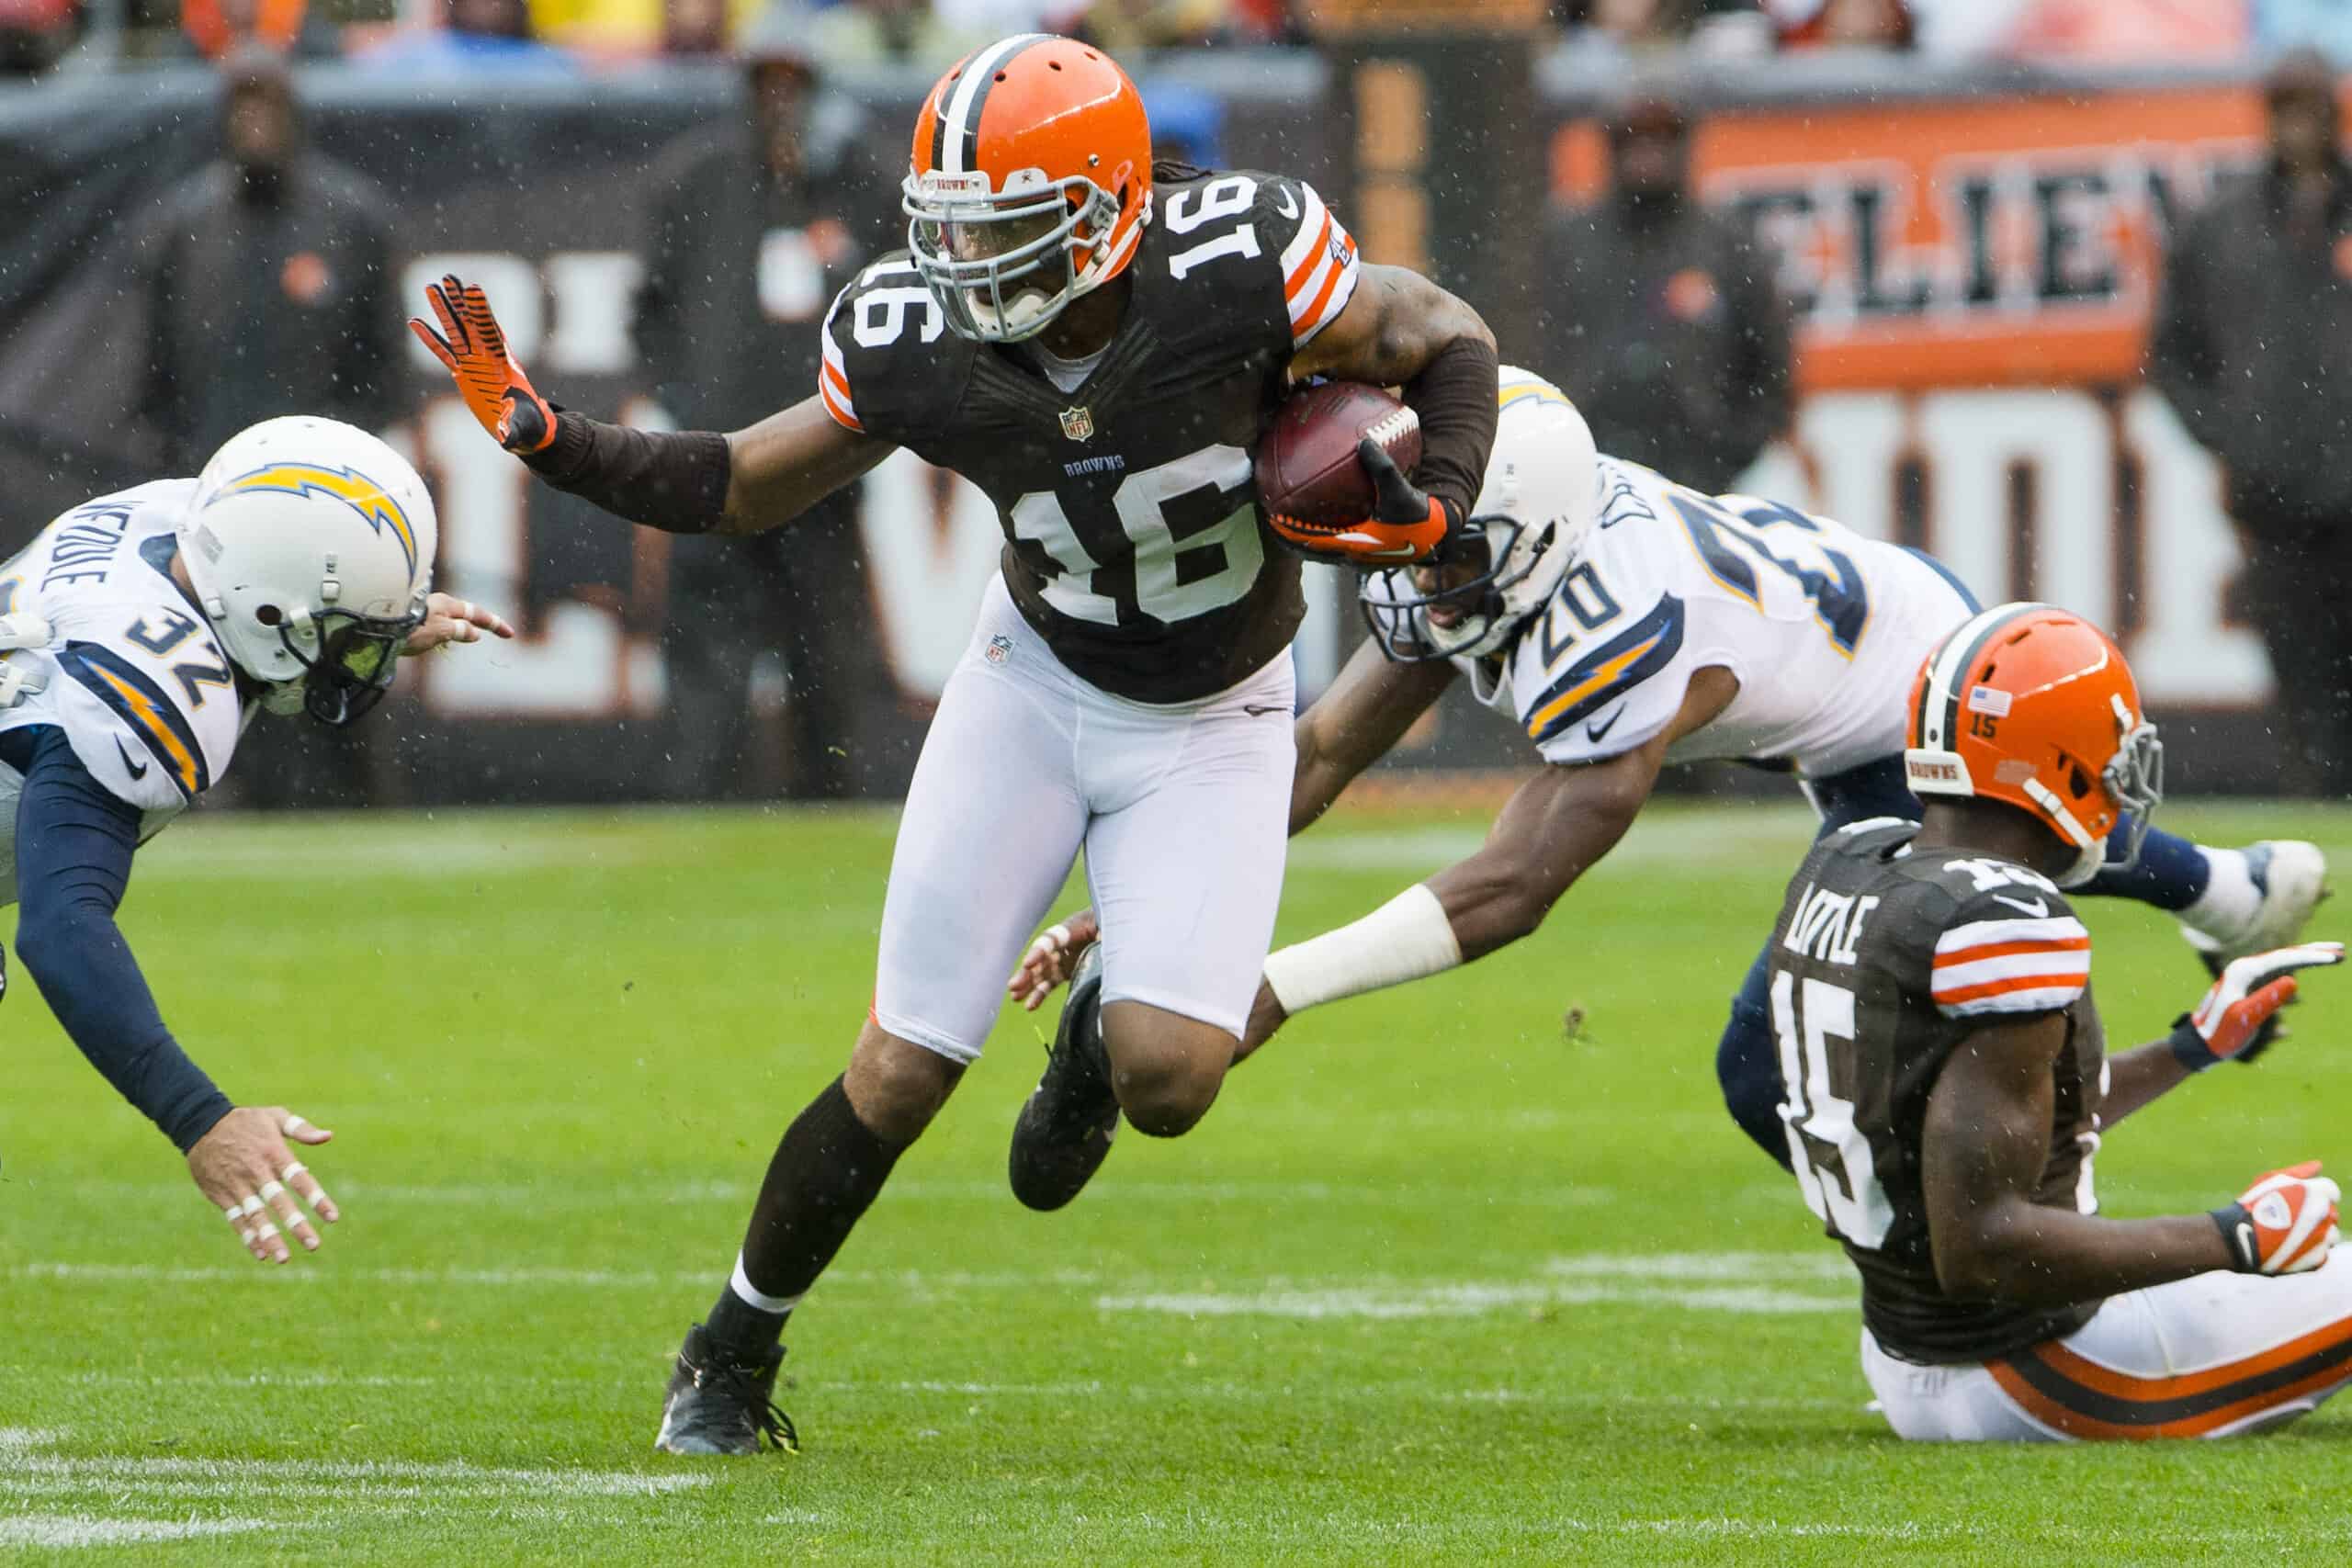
2215, 1356
993, 823
1184, 859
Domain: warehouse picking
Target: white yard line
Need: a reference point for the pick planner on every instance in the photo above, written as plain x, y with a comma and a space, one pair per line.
88, 1530
1740, 1282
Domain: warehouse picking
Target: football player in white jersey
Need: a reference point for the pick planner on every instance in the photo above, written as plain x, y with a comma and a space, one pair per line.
139, 634
1627, 622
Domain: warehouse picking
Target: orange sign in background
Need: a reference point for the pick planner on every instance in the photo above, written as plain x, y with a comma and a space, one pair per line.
1995, 241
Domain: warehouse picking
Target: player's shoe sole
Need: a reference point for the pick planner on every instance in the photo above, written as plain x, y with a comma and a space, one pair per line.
1065, 1126
2292, 878
718, 1405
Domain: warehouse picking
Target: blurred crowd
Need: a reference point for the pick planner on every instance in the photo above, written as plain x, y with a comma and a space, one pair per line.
924, 35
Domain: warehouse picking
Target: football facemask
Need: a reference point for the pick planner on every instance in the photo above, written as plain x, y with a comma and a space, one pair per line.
1002, 267
349, 660
1418, 623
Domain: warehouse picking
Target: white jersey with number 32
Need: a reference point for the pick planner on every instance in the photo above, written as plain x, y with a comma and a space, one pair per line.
132, 674
1824, 629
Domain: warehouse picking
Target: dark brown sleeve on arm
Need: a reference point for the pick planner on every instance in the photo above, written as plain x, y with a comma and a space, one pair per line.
676, 482
1456, 398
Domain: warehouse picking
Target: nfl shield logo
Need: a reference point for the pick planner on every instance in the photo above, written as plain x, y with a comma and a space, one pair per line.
998, 650
1077, 423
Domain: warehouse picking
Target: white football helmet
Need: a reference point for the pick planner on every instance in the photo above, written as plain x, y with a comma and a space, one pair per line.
311, 544
1529, 521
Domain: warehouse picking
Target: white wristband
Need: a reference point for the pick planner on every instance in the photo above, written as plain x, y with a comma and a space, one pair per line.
1406, 938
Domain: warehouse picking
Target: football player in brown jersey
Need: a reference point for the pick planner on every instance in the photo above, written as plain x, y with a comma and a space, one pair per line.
1095, 342
1948, 1085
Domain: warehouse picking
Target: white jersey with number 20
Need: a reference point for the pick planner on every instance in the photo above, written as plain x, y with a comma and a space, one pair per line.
1824, 629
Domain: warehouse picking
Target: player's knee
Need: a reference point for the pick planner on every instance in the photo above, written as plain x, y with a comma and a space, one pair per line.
1165, 1069
896, 1086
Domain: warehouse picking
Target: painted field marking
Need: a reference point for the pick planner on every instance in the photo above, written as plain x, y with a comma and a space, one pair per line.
65, 1530
1738, 1283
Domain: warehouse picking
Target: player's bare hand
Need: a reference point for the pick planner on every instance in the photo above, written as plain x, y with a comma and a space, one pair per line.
244, 1166
1266, 1016
1053, 958
449, 619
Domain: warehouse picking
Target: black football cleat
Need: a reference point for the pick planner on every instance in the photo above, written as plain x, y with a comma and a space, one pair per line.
717, 1406
1067, 1126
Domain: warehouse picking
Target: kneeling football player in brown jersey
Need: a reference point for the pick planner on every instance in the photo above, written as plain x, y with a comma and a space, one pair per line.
1947, 1086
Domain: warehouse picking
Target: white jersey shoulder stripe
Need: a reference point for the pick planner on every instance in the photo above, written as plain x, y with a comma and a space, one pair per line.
2059, 931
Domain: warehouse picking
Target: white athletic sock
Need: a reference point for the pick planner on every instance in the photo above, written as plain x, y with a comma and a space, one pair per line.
2230, 901
751, 1295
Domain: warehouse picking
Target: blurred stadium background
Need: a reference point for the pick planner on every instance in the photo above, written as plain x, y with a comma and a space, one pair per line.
1962, 203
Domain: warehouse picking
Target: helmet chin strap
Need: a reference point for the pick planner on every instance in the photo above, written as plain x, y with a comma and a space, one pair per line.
2090, 854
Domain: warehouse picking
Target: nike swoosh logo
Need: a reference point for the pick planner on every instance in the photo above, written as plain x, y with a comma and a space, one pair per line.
1398, 552
1594, 728
1285, 203
2246, 1244
138, 769
1259, 710
2038, 908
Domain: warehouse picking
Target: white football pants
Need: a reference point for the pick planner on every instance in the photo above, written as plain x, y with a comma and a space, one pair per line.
1183, 810
2213, 1356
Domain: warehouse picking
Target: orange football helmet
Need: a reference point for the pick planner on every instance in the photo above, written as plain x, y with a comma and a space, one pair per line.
1030, 185
2030, 706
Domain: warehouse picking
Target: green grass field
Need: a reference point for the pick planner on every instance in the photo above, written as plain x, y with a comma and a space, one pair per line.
1433, 1282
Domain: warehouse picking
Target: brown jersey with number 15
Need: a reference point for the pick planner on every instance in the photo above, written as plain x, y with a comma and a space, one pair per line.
1133, 539
1883, 963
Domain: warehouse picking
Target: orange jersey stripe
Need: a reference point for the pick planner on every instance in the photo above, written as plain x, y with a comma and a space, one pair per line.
1305, 268
2010, 949
2002, 987
835, 406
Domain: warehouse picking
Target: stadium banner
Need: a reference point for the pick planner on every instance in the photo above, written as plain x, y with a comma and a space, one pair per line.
1972, 270
1973, 281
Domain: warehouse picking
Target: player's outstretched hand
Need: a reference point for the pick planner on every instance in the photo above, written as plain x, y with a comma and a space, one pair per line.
2284, 1224
470, 346
2249, 991
448, 619
1053, 958
245, 1169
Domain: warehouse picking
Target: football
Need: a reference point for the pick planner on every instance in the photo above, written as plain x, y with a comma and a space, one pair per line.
1306, 466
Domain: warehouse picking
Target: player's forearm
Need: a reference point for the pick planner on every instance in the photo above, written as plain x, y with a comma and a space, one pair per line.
676, 481
85, 970
1317, 784
2138, 1077
74, 843
2034, 1255
1490, 901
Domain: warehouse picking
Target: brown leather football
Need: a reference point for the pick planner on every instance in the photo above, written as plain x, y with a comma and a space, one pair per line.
1306, 464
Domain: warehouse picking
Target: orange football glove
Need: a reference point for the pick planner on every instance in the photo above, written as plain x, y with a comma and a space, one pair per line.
474, 351
1407, 523
2233, 1019
2284, 1224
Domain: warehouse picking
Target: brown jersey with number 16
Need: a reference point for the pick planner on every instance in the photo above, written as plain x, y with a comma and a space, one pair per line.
1133, 540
